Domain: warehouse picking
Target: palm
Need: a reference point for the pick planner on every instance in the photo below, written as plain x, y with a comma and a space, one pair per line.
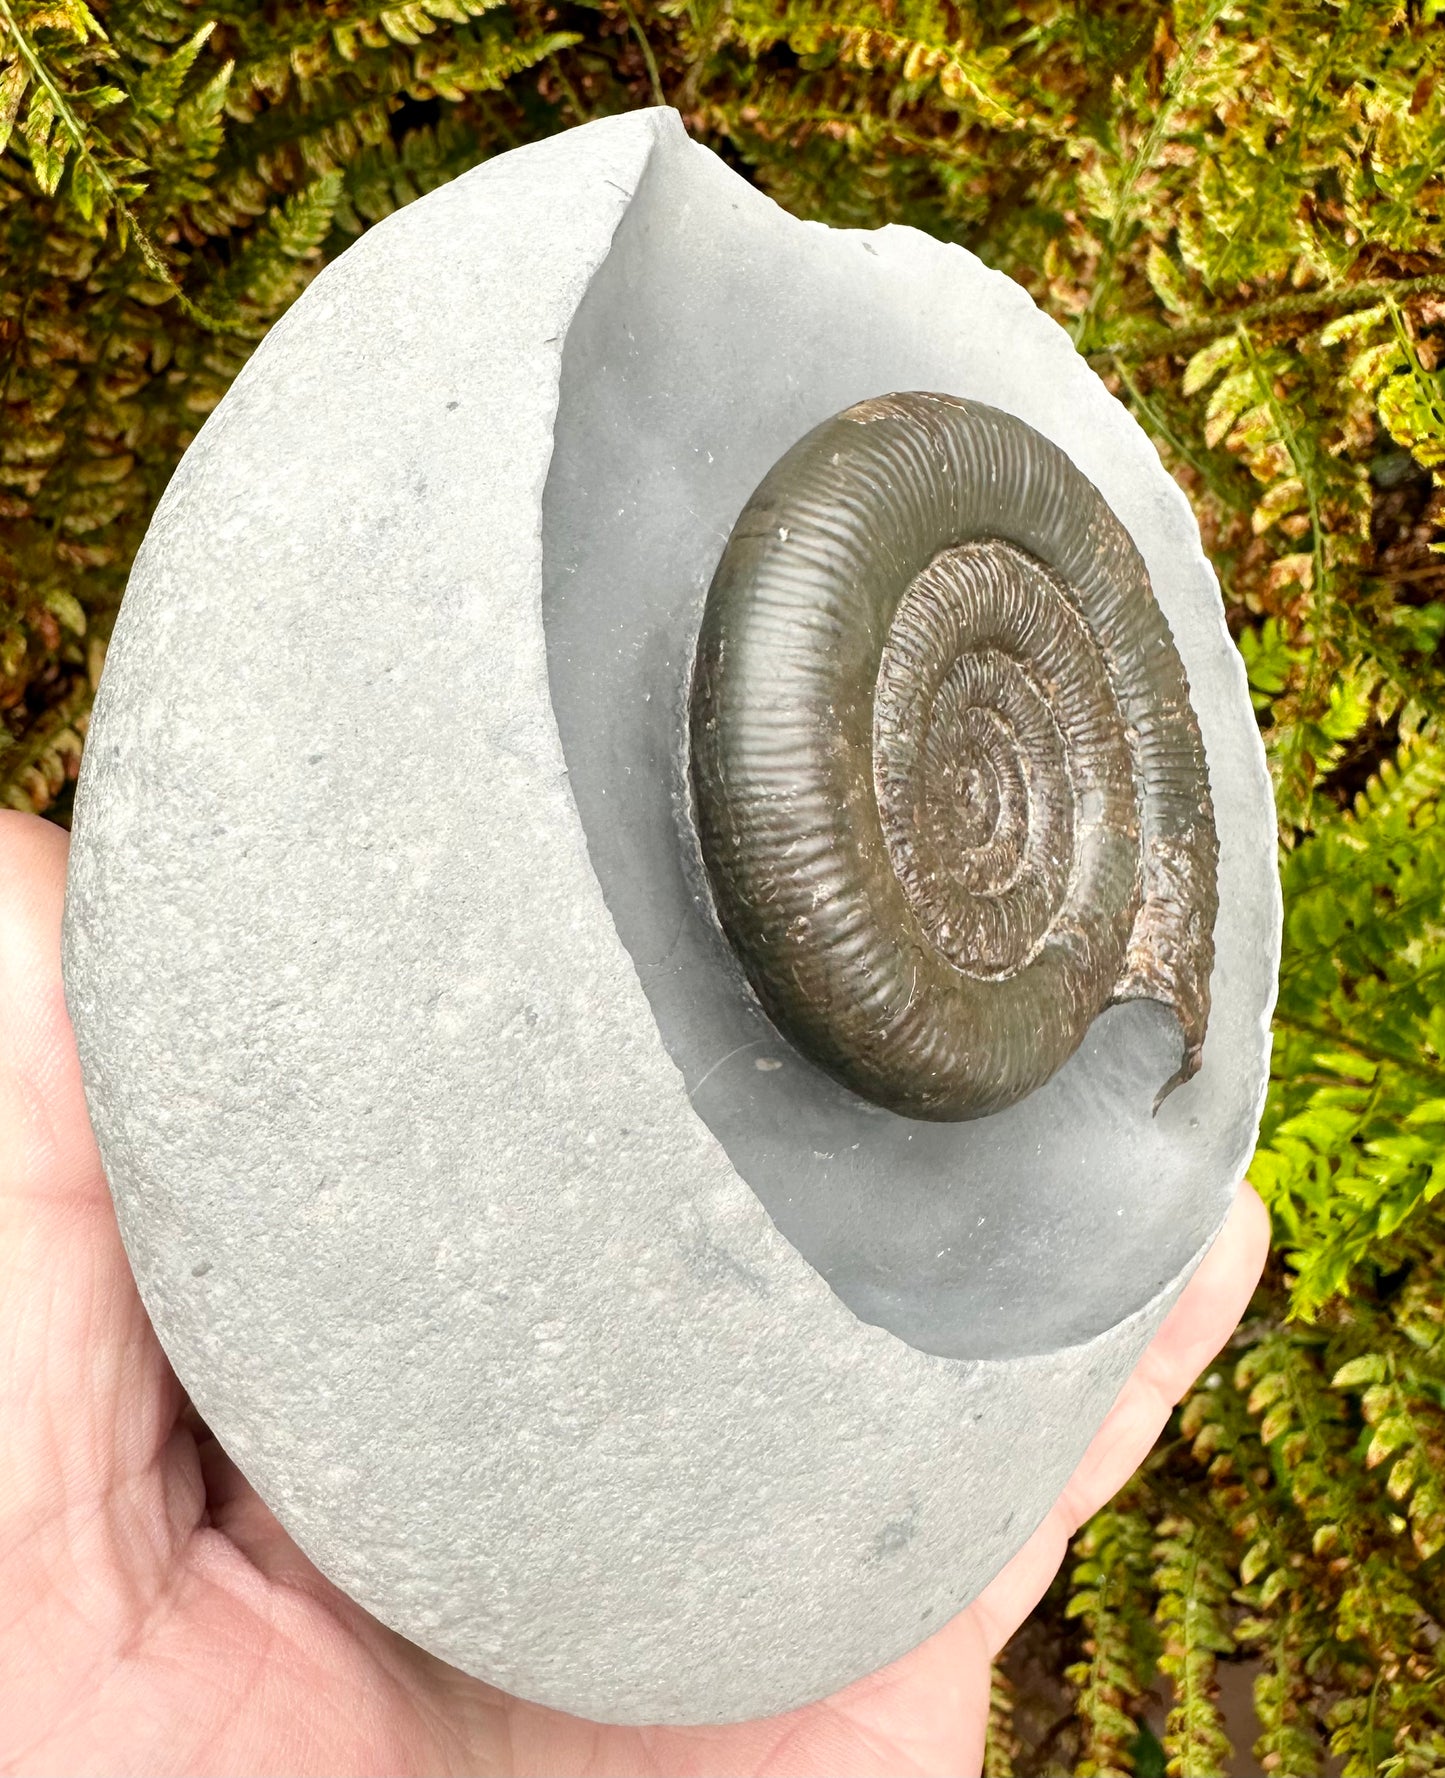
157, 1617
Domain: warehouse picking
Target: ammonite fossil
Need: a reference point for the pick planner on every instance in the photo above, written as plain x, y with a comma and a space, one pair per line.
950, 790
592, 927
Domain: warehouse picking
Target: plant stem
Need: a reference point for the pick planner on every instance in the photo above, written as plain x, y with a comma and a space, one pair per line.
653, 77
1332, 298
126, 223
1371, 1052
1178, 74
40, 74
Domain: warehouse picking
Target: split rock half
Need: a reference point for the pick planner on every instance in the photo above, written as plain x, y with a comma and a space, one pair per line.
567, 1317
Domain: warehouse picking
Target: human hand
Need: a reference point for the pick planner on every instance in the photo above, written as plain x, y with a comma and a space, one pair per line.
154, 1616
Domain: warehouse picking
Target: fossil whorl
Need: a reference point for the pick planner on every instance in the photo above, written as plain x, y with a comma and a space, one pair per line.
949, 788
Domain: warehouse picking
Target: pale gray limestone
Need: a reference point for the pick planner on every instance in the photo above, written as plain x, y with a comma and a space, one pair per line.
567, 1319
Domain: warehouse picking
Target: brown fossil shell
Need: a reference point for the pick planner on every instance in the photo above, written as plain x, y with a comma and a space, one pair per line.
949, 788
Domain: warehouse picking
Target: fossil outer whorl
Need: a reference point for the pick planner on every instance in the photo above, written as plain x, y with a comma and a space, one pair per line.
949, 788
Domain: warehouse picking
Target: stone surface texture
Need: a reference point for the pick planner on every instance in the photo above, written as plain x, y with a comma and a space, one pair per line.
410, 1049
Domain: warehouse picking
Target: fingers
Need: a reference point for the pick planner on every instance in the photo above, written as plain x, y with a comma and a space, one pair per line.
1194, 1331
74, 1341
1198, 1325
47, 1156
922, 1715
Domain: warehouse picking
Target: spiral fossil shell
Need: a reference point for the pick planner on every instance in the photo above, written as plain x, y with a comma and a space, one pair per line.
567, 1315
950, 790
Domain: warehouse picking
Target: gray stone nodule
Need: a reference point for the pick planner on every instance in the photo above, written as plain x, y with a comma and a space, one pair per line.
567, 1317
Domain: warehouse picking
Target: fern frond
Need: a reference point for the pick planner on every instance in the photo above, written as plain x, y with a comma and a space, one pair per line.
1108, 1598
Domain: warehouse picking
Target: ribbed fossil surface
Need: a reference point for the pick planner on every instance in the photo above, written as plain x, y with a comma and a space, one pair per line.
950, 790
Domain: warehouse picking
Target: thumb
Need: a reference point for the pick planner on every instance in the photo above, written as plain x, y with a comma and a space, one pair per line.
86, 1398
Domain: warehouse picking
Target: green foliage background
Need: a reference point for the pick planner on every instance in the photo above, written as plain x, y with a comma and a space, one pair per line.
1237, 210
